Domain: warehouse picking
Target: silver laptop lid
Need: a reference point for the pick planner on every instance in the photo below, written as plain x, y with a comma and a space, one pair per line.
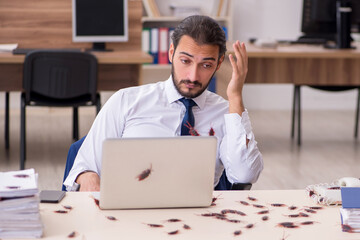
157, 172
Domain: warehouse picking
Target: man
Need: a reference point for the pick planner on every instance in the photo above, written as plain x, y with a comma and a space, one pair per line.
157, 110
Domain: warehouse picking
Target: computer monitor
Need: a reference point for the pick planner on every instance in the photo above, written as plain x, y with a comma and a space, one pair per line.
100, 21
323, 19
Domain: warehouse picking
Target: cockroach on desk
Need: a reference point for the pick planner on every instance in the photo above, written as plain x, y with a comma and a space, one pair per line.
237, 233
154, 225
112, 218
187, 227
60, 211
244, 203
72, 234
287, 225
173, 232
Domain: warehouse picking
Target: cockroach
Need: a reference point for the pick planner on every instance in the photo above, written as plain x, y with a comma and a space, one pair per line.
187, 227
315, 208
309, 210
154, 225
211, 132
97, 202
311, 193
258, 206
292, 207
233, 220
221, 218
347, 228
144, 174
293, 215
303, 214
250, 225
67, 207
13, 187
192, 130
21, 175
214, 200
174, 232
173, 220
307, 223
263, 212
225, 211
111, 218
252, 198
278, 205
237, 233
287, 225
72, 235
244, 203
60, 211
265, 218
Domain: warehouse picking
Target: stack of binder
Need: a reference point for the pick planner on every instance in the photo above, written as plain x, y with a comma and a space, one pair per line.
350, 211
19, 205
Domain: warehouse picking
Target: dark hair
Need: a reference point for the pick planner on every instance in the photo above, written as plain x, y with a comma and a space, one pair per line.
203, 29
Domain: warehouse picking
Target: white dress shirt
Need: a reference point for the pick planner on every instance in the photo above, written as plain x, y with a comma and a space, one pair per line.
154, 110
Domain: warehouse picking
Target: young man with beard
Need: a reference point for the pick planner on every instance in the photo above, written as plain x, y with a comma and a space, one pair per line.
157, 110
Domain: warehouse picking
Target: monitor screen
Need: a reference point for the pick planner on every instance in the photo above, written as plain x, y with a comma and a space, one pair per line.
319, 17
100, 21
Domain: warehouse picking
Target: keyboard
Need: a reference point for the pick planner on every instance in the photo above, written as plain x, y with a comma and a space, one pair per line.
309, 41
24, 51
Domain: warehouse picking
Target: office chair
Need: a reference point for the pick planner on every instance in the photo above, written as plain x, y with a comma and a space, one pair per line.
296, 108
223, 184
59, 79
7, 121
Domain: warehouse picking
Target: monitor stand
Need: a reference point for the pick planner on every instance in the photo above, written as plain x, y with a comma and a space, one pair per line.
99, 47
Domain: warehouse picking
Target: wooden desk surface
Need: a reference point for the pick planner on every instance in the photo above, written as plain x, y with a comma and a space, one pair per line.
300, 51
115, 57
91, 223
299, 64
118, 69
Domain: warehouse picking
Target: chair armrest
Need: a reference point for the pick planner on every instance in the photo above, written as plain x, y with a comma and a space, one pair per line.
241, 186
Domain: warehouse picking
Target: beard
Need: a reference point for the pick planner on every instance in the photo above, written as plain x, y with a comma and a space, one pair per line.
191, 93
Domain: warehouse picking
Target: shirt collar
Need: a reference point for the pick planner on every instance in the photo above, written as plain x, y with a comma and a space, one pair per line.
173, 95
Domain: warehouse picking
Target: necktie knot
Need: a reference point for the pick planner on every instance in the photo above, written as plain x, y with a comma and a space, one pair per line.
189, 103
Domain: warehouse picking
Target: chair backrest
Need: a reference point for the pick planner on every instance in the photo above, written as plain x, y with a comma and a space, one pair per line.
60, 75
74, 148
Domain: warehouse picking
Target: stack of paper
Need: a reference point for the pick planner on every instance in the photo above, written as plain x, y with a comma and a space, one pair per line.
350, 219
19, 205
350, 211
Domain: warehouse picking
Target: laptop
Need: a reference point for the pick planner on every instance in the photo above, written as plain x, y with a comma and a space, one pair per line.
157, 172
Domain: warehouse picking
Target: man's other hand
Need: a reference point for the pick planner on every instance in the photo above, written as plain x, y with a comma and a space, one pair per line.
89, 182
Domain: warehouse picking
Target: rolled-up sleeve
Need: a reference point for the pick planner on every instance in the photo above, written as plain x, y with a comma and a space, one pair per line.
243, 162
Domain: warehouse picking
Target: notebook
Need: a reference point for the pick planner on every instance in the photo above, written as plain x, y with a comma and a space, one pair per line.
157, 172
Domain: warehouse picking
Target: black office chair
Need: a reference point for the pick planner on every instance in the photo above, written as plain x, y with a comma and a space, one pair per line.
61, 79
7, 121
296, 109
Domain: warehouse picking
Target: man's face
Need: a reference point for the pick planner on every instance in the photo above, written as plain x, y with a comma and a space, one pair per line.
193, 66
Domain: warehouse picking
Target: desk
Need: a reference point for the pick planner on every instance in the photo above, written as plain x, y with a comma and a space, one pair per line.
118, 69
301, 65
91, 223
